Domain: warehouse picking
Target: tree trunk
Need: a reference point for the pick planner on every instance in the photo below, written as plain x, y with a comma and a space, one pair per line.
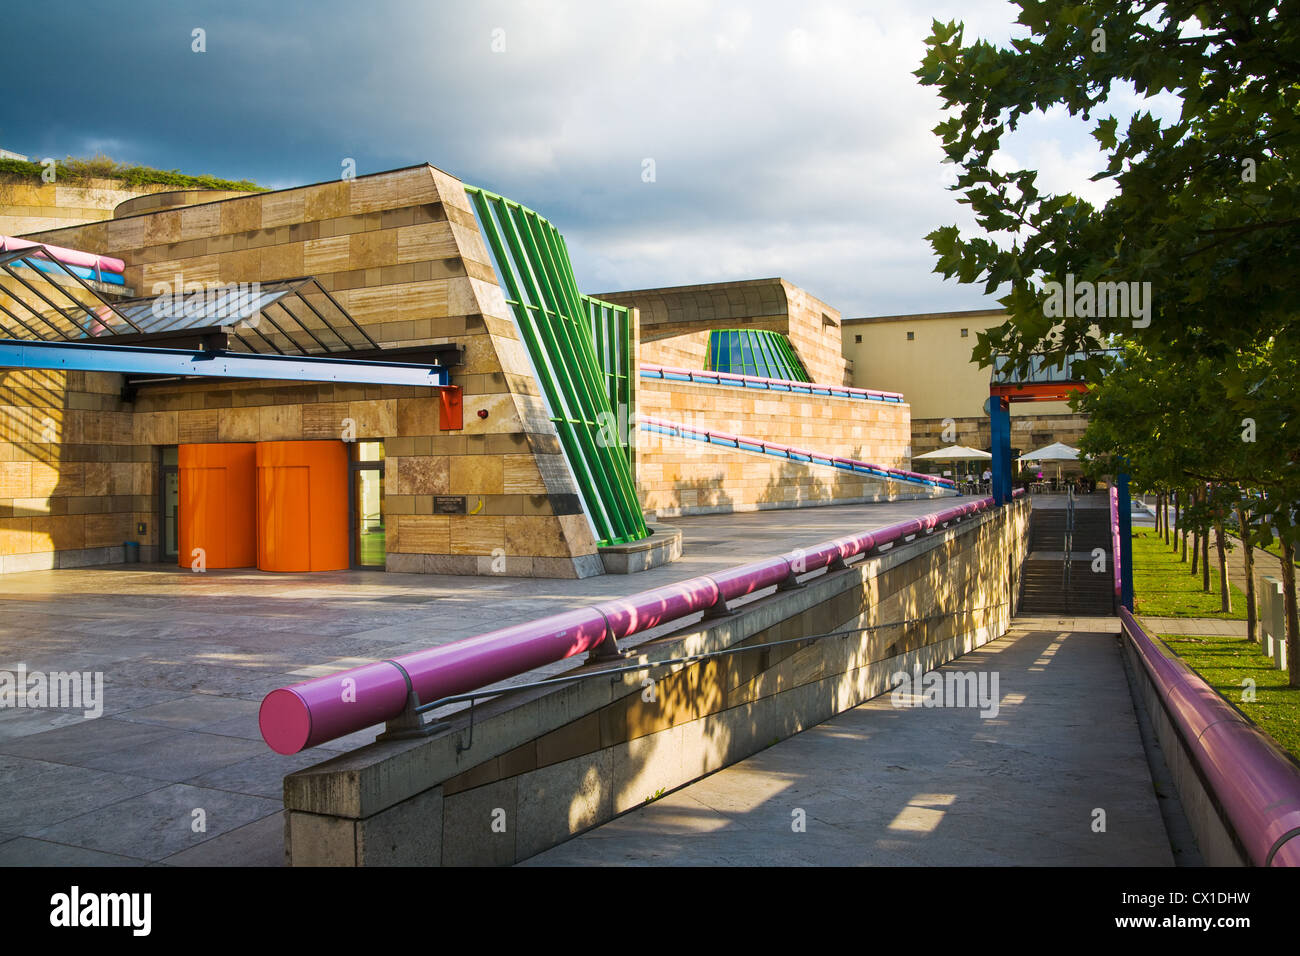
1288, 591
1205, 560
1248, 558
1185, 507
1164, 514
1196, 552
1225, 593
1178, 524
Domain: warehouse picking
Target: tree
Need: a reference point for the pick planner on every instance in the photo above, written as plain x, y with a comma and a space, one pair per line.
1207, 210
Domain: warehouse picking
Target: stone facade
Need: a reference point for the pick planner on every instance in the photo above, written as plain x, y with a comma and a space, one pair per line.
1028, 431
675, 322
74, 479
27, 206
401, 251
683, 476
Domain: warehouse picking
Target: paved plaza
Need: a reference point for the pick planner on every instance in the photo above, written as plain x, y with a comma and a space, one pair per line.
174, 770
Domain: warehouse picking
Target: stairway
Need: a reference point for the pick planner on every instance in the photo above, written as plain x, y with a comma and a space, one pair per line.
1091, 530
1043, 589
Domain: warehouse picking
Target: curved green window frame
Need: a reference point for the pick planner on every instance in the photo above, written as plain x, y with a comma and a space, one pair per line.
758, 352
581, 349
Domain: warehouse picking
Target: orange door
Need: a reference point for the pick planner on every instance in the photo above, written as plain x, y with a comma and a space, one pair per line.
215, 505
302, 506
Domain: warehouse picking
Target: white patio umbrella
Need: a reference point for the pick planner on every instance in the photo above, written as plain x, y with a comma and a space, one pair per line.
1057, 451
955, 453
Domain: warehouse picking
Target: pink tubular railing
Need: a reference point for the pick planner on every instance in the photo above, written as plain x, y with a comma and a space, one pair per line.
663, 426
325, 708
706, 377
72, 257
1252, 780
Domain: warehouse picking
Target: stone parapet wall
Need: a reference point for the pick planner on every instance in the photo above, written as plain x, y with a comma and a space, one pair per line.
544, 765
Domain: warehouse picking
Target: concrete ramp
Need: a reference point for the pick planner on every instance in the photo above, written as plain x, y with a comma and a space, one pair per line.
887, 785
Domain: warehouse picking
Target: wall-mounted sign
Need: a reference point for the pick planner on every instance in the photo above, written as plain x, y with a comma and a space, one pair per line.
449, 504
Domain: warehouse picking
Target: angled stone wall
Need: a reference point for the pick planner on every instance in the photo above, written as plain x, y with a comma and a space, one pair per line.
401, 251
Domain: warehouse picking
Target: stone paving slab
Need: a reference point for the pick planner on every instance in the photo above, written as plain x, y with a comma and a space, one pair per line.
260, 843
26, 851
160, 823
889, 786
187, 658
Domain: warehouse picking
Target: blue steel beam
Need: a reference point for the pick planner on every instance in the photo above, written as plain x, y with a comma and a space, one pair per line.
1125, 556
1000, 428
135, 360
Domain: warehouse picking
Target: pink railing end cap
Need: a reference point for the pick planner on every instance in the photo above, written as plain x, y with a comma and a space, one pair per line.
285, 721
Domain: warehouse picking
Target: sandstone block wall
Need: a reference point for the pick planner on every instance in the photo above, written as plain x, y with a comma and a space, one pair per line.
401, 251
675, 322
30, 207
679, 476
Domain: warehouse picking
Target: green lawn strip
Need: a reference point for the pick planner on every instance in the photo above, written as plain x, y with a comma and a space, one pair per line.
1164, 587
1224, 661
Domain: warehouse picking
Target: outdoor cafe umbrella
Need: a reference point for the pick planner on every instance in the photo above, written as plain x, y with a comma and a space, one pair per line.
1056, 451
955, 453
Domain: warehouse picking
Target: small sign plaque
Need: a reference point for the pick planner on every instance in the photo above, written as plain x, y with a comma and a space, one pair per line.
449, 504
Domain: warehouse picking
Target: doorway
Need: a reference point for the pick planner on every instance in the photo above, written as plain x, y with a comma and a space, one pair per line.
366, 506
169, 492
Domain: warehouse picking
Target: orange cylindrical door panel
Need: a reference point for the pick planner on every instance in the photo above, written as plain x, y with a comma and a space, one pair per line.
302, 505
215, 507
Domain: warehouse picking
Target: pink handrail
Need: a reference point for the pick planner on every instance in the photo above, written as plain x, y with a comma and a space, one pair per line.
72, 257
316, 711
1256, 784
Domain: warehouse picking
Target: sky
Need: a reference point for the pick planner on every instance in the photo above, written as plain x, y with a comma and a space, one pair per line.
671, 142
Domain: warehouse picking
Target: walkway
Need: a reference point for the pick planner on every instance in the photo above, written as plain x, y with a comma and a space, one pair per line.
1209, 626
880, 785
186, 659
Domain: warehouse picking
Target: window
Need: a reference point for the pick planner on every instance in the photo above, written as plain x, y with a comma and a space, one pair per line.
911, 336
965, 333
857, 340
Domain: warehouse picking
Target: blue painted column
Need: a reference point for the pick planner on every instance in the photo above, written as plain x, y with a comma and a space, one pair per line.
1125, 508
1000, 425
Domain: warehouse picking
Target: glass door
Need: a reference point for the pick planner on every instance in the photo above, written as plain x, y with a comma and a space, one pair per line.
367, 506
169, 492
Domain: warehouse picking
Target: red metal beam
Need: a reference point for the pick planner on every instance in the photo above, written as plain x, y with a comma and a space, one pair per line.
1045, 392
451, 405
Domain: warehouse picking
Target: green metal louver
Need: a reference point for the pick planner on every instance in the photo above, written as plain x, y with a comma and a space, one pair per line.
581, 348
754, 352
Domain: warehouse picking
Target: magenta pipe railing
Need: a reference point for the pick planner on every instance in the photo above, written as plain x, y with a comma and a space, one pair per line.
72, 257
325, 708
706, 377
1255, 783
788, 451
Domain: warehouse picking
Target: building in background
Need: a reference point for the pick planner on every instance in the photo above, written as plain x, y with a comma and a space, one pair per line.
929, 356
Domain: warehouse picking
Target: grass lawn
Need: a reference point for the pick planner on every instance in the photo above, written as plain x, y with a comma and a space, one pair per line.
1164, 587
1224, 661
